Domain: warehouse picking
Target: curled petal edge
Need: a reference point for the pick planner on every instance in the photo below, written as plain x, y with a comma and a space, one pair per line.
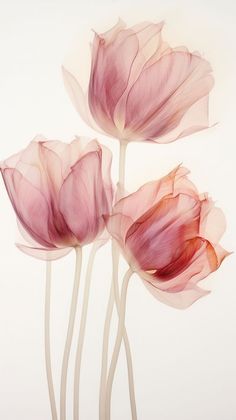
43, 253
180, 300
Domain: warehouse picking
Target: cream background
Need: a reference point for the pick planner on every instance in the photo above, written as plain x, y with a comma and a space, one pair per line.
184, 361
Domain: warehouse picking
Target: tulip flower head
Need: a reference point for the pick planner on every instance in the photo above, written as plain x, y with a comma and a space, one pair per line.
60, 193
169, 234
142, 89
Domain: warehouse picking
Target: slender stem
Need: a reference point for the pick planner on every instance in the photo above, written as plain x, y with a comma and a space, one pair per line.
114, 298
47, 340
118, 341
115, 257
70, 333
114, 295
115, 250
80, 344
105, 344
123, 146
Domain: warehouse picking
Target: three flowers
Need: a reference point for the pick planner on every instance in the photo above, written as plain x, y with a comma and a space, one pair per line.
140, 89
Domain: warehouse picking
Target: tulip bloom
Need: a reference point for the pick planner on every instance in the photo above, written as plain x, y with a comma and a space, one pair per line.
142, 89
60, 193
169, 234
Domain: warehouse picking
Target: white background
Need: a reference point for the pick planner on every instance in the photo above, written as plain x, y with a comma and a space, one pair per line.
184, 361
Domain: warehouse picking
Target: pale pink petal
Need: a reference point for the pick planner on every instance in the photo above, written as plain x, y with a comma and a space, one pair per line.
58, 157
51, 168
39, 164
164, 92
149, 39
82, 198
95, 146
28, 164
44, 253
195, 119
38, 216
109, 77
180, 300
136, 204
148, 34
118, 225
78, 98
221, 253
28, 156
213, 222
24, 235
30, 206
110, 35
69, 154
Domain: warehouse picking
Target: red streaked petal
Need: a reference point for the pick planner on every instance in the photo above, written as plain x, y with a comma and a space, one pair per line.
160, 239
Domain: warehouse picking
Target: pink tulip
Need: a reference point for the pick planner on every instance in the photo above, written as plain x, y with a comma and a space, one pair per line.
60, 193
142, 89
169, 234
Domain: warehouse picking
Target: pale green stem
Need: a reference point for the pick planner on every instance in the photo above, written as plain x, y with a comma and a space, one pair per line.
70, 331
47, 345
